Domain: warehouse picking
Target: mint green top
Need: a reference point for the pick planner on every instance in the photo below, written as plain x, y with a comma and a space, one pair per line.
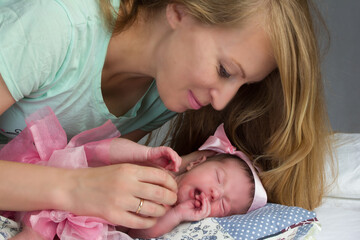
51, 54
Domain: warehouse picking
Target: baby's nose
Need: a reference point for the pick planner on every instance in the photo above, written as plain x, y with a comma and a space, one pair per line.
216, 194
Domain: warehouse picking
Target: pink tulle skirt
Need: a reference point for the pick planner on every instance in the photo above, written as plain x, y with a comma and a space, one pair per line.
44, 142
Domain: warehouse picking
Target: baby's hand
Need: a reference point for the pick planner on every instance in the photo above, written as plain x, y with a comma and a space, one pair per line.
194, 210
164, 157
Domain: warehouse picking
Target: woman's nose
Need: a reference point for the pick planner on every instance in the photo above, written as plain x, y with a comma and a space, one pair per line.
222, 95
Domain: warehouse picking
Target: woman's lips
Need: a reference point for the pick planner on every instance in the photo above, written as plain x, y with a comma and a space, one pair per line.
194, 103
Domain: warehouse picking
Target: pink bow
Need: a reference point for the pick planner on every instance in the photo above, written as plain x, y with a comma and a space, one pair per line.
220, 143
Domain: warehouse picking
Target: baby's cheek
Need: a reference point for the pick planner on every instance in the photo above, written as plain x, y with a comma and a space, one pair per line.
215, 210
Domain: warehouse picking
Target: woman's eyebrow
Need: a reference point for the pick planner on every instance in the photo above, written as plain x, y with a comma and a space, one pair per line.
240, 67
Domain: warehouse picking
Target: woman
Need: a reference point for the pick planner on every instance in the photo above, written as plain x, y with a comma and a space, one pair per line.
256, 58
281, 121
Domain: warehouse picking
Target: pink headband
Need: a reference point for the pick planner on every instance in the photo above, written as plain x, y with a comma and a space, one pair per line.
221, 144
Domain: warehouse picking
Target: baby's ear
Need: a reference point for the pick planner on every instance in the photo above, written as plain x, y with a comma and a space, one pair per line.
191, 157
195, 163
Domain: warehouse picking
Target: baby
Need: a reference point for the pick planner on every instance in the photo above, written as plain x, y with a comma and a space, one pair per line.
225, 184
217, 186
221, 186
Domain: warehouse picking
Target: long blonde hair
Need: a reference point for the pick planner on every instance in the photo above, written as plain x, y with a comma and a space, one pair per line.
281, 122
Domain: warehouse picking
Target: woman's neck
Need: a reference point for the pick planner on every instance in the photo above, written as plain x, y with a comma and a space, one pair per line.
130, 63
133, 52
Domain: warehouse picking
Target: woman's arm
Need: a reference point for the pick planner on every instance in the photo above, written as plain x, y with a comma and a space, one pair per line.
110, 192
26, 187
6, 100
22, 186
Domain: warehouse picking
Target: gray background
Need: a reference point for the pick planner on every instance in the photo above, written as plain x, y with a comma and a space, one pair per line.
341, 65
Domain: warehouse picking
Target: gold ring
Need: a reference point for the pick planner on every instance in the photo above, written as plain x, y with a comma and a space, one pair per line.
140, 206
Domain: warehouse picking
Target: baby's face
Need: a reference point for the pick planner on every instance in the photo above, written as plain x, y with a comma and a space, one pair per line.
225, 183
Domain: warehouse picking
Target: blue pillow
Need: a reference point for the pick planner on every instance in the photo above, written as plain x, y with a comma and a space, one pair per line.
273, 221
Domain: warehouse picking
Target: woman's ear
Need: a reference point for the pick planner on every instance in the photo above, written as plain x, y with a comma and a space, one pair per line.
175, 14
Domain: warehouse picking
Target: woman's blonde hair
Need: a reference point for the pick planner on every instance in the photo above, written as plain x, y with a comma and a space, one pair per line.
281, 121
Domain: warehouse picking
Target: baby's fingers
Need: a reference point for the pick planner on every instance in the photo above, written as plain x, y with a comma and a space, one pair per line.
205, 206
165, 157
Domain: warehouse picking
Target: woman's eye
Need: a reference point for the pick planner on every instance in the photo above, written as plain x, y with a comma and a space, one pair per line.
223, 73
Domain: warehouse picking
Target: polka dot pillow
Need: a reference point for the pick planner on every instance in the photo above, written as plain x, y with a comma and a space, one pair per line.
272, 221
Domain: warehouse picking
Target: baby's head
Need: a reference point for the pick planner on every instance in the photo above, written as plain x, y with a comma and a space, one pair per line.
226, 181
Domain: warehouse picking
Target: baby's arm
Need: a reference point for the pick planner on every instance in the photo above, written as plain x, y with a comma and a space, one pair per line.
191, 210
121, 150
164, 225
126, 151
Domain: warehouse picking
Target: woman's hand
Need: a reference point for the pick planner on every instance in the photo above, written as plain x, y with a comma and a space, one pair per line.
114, 193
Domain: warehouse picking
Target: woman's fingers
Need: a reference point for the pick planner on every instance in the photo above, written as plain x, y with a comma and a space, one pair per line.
131, 220
157, 194
160, 178
114, 192
147, 208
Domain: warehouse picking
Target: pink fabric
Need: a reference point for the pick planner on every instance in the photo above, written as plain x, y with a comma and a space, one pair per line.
44, 142
221, 144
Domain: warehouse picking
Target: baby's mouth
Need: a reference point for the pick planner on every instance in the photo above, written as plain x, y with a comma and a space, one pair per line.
197, 198
197, 193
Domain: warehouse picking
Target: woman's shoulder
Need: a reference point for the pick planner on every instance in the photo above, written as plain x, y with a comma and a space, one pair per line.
34, 38
68, 11
81, 11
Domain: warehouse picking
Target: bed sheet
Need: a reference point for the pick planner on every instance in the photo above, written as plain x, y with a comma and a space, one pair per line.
339, 219
339, 214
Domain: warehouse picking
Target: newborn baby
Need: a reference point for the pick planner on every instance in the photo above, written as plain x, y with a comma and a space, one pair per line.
223, 185
220, 186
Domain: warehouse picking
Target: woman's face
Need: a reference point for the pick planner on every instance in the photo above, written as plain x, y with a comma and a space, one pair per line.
201, 65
